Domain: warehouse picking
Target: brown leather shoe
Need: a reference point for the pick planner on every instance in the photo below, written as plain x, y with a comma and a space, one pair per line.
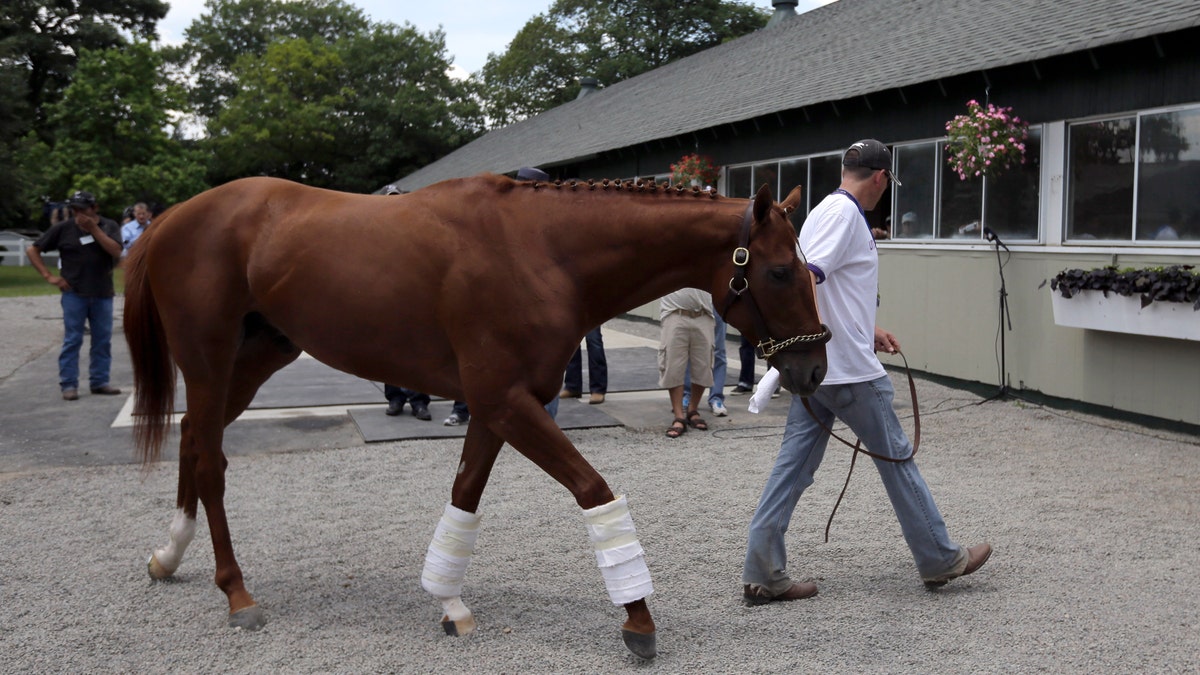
106, 390
596, 397
976, 556
567, 393
70, 394
753, 594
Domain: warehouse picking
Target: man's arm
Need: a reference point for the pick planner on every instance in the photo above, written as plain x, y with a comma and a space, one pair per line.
90, 222
35, 259
885, 341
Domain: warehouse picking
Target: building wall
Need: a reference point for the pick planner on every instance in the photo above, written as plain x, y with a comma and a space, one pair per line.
942, 300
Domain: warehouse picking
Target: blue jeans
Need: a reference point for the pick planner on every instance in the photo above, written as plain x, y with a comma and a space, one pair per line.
98, 314
867, 408
597, 366
716, 394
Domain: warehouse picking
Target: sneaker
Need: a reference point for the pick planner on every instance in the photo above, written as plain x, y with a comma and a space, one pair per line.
106, 390
567, 393
742, 389
596, 397
718, 409
422, 413
70, 394
453, 420
394, 408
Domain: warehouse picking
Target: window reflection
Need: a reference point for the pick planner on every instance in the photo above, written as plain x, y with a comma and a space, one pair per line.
1011, 199
1100, 179
961, 204
1168, 173
738, 182
915, 200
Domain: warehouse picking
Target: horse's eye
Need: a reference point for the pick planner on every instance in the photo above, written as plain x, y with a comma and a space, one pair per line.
780, 274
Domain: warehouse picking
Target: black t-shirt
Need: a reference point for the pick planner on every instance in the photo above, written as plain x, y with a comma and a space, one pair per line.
85, 263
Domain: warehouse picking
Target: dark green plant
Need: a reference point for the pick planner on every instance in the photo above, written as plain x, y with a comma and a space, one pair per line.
1174, 283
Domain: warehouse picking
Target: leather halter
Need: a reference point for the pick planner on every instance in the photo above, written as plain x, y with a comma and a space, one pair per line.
739, 286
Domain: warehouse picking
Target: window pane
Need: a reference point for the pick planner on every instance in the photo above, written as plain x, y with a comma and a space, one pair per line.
1100, 180
1169, 148
915, 167
962, 205
1011, 203
826, 177
738, 182
766, 174
793, 173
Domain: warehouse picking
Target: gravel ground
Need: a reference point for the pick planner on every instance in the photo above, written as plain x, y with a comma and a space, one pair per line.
1094, 524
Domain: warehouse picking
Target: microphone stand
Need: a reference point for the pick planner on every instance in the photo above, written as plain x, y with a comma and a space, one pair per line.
1004, 319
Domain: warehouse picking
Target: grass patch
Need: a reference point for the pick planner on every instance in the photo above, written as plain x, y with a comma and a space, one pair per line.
18, 282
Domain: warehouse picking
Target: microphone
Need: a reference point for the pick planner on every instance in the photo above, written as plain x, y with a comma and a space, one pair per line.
989, 235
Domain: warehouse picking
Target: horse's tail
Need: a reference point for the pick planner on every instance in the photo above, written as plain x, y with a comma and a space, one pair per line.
153, 367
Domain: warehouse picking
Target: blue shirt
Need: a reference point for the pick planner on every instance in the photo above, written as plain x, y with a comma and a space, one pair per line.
131, 231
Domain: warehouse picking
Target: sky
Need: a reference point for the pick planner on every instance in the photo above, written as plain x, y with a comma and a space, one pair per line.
474, 28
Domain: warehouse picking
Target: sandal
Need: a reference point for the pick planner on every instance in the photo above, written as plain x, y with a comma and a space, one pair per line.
696, 422
678, 428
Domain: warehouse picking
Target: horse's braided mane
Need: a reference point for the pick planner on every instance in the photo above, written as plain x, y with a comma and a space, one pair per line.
633, 186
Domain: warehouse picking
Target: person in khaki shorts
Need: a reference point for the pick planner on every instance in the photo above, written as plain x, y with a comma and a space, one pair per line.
687, 338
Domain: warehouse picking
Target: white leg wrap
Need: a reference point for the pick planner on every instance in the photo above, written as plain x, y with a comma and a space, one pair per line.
618, 553
183, 529
448, 555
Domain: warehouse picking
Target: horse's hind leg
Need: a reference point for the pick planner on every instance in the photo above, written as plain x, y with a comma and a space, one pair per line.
262, 352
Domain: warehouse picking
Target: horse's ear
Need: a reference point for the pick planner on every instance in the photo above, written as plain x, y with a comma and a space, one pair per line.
793, 200
762, 203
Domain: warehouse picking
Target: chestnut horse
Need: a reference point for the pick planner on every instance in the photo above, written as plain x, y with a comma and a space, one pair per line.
476, 289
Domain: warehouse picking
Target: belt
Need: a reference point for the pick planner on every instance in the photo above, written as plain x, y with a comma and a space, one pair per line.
694, 313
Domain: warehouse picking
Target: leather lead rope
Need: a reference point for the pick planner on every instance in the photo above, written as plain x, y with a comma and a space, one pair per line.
857, 445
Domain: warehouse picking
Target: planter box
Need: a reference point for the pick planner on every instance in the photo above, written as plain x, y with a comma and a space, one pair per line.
1119, 314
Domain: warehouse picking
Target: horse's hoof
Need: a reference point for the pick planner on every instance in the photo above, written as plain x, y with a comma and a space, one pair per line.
248, 618
463, 626
641, 644
156, 570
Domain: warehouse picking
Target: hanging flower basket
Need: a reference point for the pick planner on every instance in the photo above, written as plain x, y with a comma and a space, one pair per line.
694, 169
985, 141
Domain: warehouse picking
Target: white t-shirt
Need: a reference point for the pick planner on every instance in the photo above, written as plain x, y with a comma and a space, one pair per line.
837, 240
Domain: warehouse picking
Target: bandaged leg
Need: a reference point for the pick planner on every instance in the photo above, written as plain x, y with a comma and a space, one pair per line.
164, 561
446, 563
618, 553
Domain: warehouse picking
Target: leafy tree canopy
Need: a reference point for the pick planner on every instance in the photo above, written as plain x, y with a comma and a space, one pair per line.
349, 114
231, 29
44, 38
111, 134
611, 41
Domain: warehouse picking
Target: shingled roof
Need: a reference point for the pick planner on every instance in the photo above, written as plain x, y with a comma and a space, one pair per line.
845, 49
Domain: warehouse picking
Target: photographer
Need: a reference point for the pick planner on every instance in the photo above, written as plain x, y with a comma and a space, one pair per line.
88, 246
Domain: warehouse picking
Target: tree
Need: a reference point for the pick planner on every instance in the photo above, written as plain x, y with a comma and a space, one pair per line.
110, 134
232, 29
611, 41
45, 37
350, 114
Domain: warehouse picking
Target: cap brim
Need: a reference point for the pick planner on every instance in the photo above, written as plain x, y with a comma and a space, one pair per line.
893, 177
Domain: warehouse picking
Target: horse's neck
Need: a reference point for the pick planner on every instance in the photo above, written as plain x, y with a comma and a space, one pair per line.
644, 249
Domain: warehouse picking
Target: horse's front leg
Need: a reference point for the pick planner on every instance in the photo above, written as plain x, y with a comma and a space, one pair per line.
453, 542
619, 554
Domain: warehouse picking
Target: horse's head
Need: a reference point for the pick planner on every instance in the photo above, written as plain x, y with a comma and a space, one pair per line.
767, 293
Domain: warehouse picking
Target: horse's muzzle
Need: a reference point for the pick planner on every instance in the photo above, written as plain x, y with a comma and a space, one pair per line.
801, 372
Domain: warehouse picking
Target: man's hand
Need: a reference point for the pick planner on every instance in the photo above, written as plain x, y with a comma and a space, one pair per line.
88, 222
55, 280
885, 341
